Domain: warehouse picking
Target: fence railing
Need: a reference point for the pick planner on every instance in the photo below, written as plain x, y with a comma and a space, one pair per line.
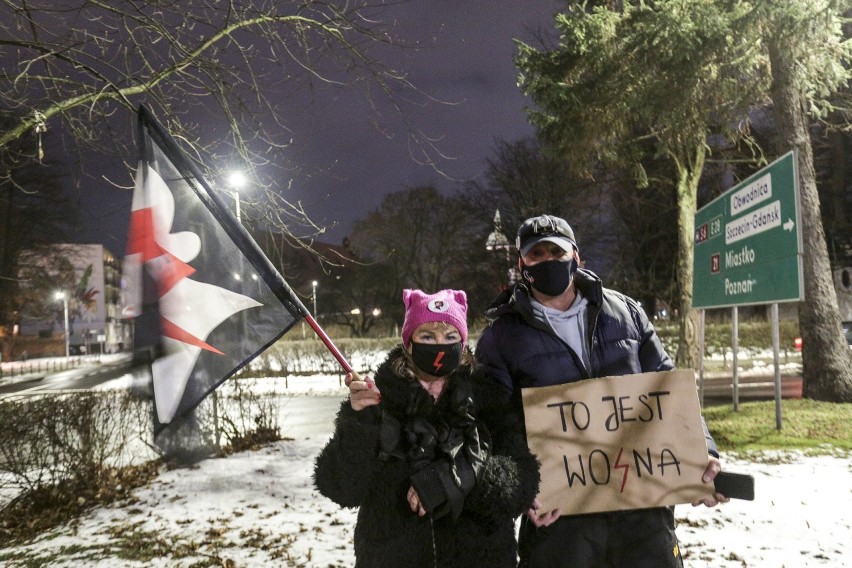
45, 365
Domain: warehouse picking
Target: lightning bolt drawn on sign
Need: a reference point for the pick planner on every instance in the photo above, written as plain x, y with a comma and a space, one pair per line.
624, 466
189, 310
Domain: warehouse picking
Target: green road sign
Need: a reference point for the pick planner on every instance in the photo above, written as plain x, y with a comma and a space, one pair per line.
748, 242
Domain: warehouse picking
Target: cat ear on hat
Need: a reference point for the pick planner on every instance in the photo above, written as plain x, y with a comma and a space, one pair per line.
460, 298
406, 297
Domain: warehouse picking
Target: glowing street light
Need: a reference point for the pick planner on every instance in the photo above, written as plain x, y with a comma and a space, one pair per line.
314, 296
237, 180
62, 296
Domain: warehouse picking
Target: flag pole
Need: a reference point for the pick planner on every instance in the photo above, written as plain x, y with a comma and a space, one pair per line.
237, 232
328, 343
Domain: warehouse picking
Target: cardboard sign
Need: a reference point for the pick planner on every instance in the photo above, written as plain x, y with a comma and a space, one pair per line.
618, 443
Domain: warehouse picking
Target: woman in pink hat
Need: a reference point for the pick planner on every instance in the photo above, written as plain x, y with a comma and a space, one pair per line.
410, 451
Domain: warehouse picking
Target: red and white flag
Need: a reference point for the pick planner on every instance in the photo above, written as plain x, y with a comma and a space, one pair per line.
196, 283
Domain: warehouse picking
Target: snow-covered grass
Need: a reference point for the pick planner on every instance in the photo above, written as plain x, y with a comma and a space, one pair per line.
260, 509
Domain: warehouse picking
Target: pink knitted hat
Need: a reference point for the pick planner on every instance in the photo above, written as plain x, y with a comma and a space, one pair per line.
448, 306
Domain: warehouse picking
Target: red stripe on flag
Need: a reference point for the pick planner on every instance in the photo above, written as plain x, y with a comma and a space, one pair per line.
171, 270
169, 329
141, 235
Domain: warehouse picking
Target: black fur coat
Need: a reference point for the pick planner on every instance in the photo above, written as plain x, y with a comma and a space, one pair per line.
478, 489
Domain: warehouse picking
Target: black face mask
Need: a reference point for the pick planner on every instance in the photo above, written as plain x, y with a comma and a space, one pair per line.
551, 277
435, 359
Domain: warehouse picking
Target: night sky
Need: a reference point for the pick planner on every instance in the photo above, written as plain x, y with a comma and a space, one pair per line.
346, 165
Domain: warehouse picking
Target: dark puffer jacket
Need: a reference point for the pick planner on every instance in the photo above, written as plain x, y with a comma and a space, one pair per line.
376, 454
518, 351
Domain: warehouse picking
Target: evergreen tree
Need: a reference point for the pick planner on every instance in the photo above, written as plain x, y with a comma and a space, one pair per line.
669, 71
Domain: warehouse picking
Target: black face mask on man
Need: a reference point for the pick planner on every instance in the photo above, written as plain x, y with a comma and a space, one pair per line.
551, 277
438, 360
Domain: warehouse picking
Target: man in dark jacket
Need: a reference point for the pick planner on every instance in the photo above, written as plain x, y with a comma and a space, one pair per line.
560, 325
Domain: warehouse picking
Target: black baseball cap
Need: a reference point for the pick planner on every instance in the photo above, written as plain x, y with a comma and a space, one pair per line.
545, 228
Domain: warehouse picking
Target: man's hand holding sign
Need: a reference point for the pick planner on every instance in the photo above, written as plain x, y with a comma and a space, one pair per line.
628, 442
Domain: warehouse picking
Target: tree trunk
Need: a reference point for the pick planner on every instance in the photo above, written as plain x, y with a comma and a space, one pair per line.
826, 359
837, 189
689, 171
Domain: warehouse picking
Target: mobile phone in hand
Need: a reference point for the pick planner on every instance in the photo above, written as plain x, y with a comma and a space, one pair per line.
735, 485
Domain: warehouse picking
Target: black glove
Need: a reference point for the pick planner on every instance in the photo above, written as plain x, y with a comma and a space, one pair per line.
438, 492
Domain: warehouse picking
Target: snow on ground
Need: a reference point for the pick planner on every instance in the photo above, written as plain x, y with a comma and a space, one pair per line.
801, 516
260, 509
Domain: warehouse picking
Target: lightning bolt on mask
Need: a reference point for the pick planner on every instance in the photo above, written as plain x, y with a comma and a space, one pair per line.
438, 360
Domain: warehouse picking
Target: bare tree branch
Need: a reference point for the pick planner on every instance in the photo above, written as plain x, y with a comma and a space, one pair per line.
78, 66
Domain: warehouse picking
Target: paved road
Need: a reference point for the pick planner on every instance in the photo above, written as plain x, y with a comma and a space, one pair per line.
83, 377
321, 409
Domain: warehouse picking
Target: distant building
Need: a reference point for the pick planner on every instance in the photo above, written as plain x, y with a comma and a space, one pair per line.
90, 277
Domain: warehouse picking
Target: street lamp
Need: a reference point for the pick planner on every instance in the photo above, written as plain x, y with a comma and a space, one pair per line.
497, 241
237, 180
314, 296
62, 296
